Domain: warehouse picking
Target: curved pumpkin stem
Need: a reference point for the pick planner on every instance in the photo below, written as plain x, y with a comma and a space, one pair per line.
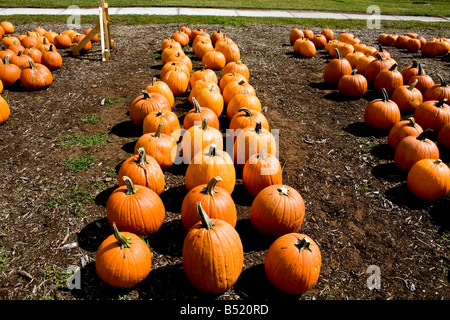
262, 154
154, 81
209, 188
197, 108
130, 186
379, 57
393, 67
420, 70
442, 80
158, 132
440, 104
205, 124
354, 71
142, 158
248, 112
258, 127
6, 59
413, 84
146, 94
123, 241
337, 53
385, 95
380, 48
425, 134
437, 161
206, 221
412, 122
283, 191
32, 65
303, 244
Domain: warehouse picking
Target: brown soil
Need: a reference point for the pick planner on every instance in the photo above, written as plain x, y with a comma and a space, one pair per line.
358, 207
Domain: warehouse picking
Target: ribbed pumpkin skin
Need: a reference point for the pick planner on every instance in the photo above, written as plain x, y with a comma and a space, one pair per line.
218, 204
237, 67
273, 213
246, 100
407, 98
213, 259
412, 149
429, 179
141, 213
206, 165
290, 269
197, 138
261, 171
433, 114
401, 130
149, 175
146, 103
382, 114
123, 268
169, 120
161, 147
248, 118
4, 111
443, 137
336, 69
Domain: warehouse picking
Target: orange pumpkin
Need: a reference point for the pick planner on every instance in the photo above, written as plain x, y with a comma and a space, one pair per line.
145, 103
196, 116
407, 97
403, 129
167, 118
429, 179
336, 69
382, 114
162, 88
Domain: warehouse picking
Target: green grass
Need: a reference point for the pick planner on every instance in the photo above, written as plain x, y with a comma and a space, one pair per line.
386, 25
82, 140
76, 198
77, 164
56, 276
90, 118
405, 7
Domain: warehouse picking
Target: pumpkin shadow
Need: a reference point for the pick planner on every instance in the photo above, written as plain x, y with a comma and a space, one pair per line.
102, 198
383, 151
126, 129
129, 147
336, 96
253, 284
439, 214
173, 198
168, 240
401, 196
240, 195
171, 283
361, 129
251, 239
388, 172
322, 85
92, 235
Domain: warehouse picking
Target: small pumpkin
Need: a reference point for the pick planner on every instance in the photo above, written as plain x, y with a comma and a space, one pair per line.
29, 41
295, 34
167, 118
362, 63
7, 26
382, 114
260, 171
407, 97
169, 43
216, 200
319, 41
336, 69
34, 53
52, 59
424, 81
230, 76
134, 208
213, 255
160, 146
143, 170
202, 74
410, 71
62, 41
389, 79
438, 91
247, 118
353, 58
21, 60
247, 100
353, 85
123, 259
328, 33
162, 88
231, 52
179, 55
233, 88
211, 98
277, 210
429, 179
198, 86
181, 37
36, 77
237, 67
214, 60
196, 116
177, 80
202, 47
374, 67
433, 114
412, 149
171, 66
403, 129
145, 103
9, 73
292, 263
209, 163
307, 49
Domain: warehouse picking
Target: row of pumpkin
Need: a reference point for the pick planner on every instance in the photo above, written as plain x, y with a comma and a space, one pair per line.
212, 250
30, 58
410, 92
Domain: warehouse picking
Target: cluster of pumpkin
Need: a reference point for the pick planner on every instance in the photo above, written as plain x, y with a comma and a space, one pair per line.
306, 43
409, 92
413, 43
212, 250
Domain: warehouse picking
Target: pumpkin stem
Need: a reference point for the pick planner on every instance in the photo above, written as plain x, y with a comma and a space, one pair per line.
50, 48
380, 48
258, 127
283, 191
354, 71
206, 221
146, 94
130, 186
205, 124
420, 70
123, 241
425, 134
158, 131
209, 188
248, 113
414, 64
412, 122
142, 157
303, 244
443, 81
385, 95
440, 103
437, 161
212, 150
393, 67
242, 82
413, 84
262, 153
379, 57
6, 59
32, 65
337, 53
197, 108
154, 81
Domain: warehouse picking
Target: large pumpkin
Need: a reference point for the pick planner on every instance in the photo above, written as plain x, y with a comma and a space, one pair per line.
209, 163
438, 91
293, 262
215, 200
353, 85
429, 179
389, 79
277, 210
433, 114
196, 116
123, 259
336, 69
36, 77
403, 129
213, 254
145, 103
382, 114
407, 97
135, 209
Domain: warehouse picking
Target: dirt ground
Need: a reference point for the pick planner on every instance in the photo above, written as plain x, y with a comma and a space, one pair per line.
358, 207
